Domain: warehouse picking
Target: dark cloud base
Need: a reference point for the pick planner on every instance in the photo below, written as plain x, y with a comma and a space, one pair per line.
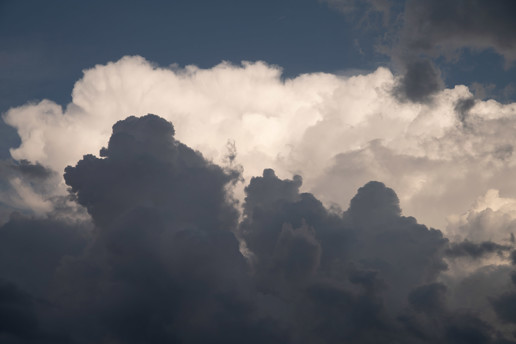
165, 259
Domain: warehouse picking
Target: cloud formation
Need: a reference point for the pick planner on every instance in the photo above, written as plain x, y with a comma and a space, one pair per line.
164, 258
232, 229
444, 27
417, 33
313, 125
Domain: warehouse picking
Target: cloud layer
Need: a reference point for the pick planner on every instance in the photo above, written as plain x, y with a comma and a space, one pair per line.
338, 132
164, 258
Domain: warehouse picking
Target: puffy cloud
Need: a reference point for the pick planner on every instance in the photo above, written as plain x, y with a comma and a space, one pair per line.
248, 104
338, 132
23, 186
164, 264
165, 258
385, 270
491, 217
420, 81
371, 235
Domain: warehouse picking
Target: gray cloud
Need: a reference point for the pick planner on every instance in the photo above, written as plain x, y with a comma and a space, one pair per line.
421, 80
446, 27
17, 315
164, 258
371, 257
22, 185
24, 168
165, 246
475, 250
505, 307
462, 108
416, 32
26, 241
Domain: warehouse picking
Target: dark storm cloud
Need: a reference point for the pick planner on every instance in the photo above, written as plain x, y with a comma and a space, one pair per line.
432, 29
415, 33
31, 250
421, 78
144, 167
165, 247
428, 298
20, 321
371, 275
475, 250
23, 168
406, 253
163, 262
17, 316
357, 277
420, 81
462, 108
505, 304
445, 27
505, 307
430, 320
26, 241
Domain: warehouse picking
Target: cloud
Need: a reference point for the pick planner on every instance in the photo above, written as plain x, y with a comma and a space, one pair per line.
433, 29
165, 257
416, 34
31, 251
504, 306
16, 312
35, 191
442, 27
467, 248
371, 235
420, 81
145, 148
491, 217
27, 240
165, 264
174, 234
305, 125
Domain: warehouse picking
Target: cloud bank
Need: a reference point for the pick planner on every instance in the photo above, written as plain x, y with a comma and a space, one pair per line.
164, 258
337, 132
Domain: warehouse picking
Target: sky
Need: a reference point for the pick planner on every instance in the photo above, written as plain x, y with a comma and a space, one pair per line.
309, 171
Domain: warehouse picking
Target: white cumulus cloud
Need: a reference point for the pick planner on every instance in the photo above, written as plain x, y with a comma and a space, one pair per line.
338, 132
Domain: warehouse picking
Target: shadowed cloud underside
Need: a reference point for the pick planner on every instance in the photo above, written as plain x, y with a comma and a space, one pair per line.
166, 259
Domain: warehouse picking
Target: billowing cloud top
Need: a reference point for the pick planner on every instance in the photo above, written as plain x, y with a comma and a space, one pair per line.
332, 130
